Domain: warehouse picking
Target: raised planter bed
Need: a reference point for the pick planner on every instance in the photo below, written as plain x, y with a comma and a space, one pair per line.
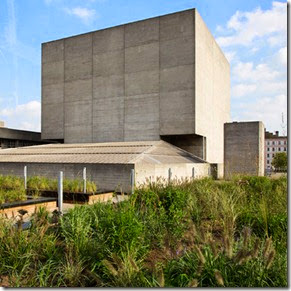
75, 197
10, 209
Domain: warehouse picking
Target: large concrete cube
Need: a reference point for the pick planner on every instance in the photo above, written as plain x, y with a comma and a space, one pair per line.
159, 78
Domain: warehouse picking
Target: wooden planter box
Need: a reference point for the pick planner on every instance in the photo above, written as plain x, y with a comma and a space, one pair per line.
76, 197
10, 209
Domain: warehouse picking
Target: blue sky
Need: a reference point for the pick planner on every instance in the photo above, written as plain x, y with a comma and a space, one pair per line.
252, 34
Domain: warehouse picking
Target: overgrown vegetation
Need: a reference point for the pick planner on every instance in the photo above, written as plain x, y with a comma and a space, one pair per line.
201, 233
76, 185
12, 187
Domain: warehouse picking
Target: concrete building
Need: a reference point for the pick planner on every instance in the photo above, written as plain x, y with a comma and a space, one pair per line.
11, 138
109, 165
244, 148
163, 78
273, 144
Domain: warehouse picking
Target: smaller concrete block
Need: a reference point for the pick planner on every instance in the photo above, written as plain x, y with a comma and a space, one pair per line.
54, 120
53, 93
243, 148
177, 52
78, 90
142, 58
111, 86
177, 78
108, 40
177, 112
78, 68
52, 73
175, 25
79, 47
141, 32
78, 134
52, 51
139, 83
110, 63
78, 113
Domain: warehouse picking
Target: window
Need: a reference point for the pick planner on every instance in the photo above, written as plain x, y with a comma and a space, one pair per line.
268, 143
279, 149
285, 142
273, 143
268, 149
268, 162
273, 149
268, 155
285, 149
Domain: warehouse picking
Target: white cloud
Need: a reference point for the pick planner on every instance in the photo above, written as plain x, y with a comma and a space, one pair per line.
251, 90
282, 56
268, 109
247, 71
85, 14
245, 27
24, 116
242, 90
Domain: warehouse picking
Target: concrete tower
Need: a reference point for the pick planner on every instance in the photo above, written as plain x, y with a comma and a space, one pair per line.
160, 78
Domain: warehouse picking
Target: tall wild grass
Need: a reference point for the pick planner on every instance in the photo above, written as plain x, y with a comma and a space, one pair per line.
201, 233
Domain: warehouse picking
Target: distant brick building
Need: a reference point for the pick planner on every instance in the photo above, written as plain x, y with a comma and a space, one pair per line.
273, 144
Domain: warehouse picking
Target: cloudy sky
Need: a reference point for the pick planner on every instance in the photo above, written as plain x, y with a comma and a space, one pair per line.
252, 34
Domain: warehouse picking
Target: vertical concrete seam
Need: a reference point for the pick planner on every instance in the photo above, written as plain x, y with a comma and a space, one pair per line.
92, 89
64, 92
194, 68
159, 77
124, 94
41, 94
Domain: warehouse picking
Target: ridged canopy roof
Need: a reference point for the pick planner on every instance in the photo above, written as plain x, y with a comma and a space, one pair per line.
150, 152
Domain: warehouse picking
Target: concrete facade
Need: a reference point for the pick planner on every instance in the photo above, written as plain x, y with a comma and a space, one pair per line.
160, 78
244, 148
108, 177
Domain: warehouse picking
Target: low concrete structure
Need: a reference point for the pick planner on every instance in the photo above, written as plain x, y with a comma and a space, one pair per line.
244, 148
12, 138
109, 165
163, 78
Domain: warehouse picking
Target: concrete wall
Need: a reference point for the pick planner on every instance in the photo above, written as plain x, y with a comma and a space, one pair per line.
144, 173
52, 90
244, 148
106, 176
212, 91
137, 82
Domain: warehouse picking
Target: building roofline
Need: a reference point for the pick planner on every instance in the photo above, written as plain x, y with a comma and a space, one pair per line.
119, 25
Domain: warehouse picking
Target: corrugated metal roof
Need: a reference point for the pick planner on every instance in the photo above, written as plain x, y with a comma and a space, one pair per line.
154, 152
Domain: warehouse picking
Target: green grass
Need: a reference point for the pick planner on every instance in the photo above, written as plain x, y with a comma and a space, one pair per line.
12, 187
201, 233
